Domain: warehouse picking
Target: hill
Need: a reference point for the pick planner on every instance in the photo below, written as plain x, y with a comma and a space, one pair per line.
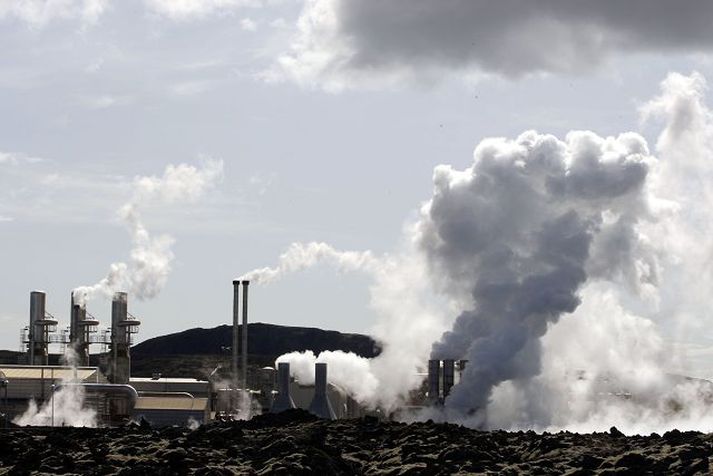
195, 353
263, 339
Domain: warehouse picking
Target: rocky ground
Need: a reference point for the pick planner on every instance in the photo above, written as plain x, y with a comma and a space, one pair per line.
294, 442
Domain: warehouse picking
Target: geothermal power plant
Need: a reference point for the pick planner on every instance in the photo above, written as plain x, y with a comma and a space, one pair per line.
108, 388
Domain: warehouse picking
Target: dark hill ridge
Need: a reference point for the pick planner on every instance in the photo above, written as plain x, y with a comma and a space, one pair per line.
263, 339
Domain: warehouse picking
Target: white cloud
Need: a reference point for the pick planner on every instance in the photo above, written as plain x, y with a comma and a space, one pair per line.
190, 9
5, 219
248, 25
105, 101
38, 13
343, 43
14, 158
190, 88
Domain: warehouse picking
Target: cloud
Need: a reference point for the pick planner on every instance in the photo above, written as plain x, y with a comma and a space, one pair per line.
14, 158
39, 13
342, 43
248, 25
5, 219
191, 9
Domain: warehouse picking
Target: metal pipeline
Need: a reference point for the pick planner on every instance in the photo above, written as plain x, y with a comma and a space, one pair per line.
126, 391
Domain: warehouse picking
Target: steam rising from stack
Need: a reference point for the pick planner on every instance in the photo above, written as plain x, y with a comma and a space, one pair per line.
145, 275
522, 230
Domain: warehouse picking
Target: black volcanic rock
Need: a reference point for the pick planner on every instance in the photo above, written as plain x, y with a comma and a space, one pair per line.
296, 442
263, 339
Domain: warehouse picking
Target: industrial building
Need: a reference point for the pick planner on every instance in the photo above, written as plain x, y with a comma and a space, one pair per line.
117, 398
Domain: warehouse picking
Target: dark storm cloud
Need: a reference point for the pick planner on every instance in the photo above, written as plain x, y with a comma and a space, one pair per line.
341, 39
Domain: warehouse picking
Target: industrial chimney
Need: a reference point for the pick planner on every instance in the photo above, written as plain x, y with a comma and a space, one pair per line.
321, 406
79, 330
39, 330
236, 314
449, 370
245, 335
283, 400
434, 371
122, 326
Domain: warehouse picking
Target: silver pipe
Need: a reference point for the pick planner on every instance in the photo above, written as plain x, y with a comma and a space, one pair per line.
106, 388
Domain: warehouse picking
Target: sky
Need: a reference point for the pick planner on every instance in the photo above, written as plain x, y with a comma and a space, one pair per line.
328, 118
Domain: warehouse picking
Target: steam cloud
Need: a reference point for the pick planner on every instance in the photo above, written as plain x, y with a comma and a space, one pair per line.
521, 229
341, 43
65, 407
565, 262
145, 275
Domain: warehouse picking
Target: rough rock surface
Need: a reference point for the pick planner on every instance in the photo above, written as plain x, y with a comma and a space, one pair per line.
295, 442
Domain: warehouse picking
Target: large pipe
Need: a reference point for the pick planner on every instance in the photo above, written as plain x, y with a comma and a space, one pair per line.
245, 335
321, 406
448, 376
123, 396
434, 369
283, 400
236, 302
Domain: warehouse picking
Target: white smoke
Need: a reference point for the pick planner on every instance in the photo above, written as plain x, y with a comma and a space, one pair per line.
346, 370
579, 269
300, 256
145, 275
65, 407
409, 318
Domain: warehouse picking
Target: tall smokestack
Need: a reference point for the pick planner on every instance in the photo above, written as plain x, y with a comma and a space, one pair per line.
79, 331
37, 345
236, 303
120, 339
434, 369
449, 371
321, 406
283, 400
245, 334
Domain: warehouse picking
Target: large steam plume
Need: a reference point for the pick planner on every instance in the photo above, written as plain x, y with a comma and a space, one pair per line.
145, 275
579, 270
521, 231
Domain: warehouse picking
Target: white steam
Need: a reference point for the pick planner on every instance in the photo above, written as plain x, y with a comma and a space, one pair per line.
145, 275
300, 256
579, 270
64, 408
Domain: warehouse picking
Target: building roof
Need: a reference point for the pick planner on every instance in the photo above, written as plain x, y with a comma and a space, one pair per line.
171, 403
31, 372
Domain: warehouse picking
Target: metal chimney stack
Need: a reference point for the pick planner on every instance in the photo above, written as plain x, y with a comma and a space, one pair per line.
449, 371
283, 400
245, 335
120, 340
37, 346
78, 331
321, 406
236, 313
434, 371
